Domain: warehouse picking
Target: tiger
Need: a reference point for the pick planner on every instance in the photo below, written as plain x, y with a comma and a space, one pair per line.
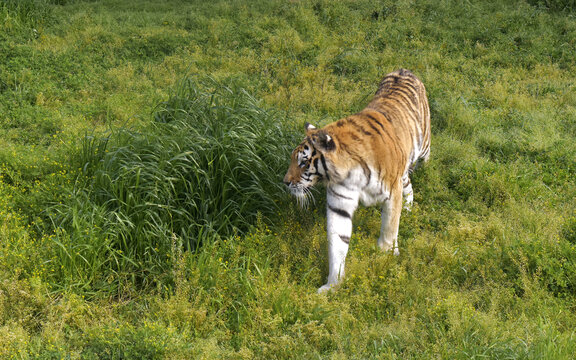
365, 158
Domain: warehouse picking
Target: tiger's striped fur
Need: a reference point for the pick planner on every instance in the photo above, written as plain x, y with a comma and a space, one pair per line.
365, 158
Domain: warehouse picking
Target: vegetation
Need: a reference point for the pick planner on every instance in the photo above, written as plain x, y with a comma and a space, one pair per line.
142, 147
206, 168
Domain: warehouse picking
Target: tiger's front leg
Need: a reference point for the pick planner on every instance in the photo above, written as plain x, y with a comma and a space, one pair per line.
391, 210
340, 209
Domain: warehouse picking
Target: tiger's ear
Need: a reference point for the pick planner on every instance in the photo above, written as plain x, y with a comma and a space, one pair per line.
309, 127
323, 141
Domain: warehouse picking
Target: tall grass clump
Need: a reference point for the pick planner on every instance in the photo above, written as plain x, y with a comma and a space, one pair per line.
25, 16
207, 167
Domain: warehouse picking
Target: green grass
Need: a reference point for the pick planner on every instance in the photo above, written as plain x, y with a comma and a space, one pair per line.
206, 168
117, 116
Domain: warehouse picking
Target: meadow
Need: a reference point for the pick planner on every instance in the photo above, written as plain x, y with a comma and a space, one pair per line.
143, 145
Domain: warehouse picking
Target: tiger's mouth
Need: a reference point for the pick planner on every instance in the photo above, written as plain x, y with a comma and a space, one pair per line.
302, 194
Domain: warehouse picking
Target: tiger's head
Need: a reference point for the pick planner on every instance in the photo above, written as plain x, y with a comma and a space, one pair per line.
308, 163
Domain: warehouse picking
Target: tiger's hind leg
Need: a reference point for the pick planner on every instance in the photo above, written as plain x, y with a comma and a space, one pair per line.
391, 210
407, 192
422, 159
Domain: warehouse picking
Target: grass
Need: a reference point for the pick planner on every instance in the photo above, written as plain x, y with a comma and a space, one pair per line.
206, 168
114, 115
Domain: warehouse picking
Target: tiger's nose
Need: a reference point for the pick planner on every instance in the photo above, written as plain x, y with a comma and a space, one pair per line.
287, 180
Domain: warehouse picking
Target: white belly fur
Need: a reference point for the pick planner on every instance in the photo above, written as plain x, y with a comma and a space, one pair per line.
368, 191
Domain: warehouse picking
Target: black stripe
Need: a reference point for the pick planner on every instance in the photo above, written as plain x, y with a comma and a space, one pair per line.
376, 120
412, 85
325, 167
369, 177
381, 125
402, 101
340, 212
367, 171
338, 194
357, 126
386, 116
372, 125
345, 238
407, 93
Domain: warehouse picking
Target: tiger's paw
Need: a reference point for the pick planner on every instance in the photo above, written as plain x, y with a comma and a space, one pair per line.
408, 204
389, 248
325, 288
394, 250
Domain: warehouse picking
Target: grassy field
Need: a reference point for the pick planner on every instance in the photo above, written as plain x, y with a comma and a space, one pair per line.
142, 148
